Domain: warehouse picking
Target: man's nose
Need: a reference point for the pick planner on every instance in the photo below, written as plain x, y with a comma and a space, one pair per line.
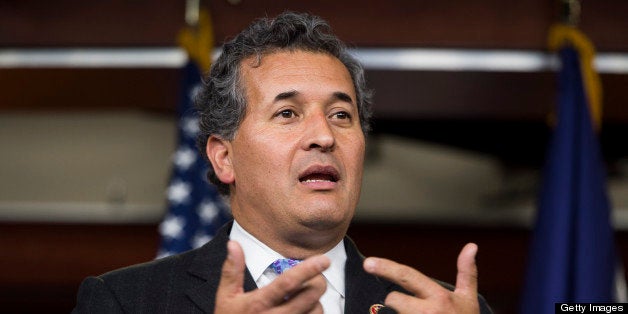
318, 133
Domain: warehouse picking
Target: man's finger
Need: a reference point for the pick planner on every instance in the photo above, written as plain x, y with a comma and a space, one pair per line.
405, 276
232, 278
306, 300
294, 279
403, 303
467, 278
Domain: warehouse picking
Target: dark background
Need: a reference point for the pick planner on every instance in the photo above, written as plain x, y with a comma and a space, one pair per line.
500, 113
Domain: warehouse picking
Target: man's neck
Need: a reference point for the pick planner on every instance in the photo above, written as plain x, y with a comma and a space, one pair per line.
298, 244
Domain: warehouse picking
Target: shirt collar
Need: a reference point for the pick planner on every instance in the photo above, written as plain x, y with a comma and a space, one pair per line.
258, 256
335, 274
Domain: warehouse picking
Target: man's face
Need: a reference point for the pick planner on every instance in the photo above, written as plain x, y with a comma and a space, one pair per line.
297, 156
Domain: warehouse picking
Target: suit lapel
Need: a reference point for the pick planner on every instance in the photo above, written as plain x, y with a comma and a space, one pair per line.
362, 289
208, 266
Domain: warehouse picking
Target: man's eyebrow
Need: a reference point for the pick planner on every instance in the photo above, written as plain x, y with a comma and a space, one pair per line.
293, 93
286, 95
343, 97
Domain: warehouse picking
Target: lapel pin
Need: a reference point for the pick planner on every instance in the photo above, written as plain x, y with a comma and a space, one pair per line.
375, 308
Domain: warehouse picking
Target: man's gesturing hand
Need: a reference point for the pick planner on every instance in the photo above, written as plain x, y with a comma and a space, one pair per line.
429, 296
295, 291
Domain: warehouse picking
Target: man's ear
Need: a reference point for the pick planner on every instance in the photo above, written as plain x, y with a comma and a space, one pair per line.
219, 153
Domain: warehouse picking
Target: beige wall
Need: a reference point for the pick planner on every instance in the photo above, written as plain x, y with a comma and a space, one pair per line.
85, 164
115, 166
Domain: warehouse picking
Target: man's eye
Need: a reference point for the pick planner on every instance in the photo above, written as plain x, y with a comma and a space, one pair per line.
286, 114
342, 115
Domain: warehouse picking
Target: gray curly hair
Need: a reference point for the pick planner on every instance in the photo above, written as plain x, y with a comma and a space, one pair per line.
221, 103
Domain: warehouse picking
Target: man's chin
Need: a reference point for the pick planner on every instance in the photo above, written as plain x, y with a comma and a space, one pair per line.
316, 233
326, 221
323, 216
321, 224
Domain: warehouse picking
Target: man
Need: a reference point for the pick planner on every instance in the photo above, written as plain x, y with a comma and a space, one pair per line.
283, 118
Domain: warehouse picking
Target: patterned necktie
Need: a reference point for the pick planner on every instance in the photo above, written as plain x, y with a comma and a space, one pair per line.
283, 264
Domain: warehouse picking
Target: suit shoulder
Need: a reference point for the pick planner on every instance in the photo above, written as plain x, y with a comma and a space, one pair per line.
150, 286
158, 266
159, 286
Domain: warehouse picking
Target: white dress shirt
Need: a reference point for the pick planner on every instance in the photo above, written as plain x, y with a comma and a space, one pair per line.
259, 256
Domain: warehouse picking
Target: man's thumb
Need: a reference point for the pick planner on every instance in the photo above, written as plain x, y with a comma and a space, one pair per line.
467, 278
232, 278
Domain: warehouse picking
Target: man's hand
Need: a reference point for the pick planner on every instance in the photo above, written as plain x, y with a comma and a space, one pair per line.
295, 291
429, 296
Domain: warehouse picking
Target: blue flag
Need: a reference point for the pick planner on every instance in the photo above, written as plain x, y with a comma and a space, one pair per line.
196, 210
572, 255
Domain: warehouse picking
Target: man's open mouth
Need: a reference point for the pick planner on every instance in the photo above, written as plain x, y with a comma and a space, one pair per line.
319, 174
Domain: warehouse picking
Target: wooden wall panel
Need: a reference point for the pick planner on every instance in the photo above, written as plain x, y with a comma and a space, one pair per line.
88, 89
423, 23
41, 265
462, 95
33, 23
411, 23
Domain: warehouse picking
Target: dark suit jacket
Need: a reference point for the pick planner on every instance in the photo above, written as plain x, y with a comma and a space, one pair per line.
187, 283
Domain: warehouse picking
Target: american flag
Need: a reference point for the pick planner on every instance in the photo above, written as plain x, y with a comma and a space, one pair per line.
572, 255
196, 209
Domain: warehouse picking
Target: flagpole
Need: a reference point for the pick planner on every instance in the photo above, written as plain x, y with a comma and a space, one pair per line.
192, 9
570, 12
196, 210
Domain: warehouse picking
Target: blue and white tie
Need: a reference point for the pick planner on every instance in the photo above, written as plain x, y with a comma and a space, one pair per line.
283, 264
